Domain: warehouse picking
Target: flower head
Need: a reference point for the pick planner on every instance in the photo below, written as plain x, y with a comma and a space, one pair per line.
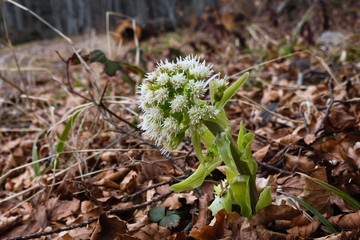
171, 99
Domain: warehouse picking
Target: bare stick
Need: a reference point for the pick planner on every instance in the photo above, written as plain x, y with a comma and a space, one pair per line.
12, 84
274, 168
327, 109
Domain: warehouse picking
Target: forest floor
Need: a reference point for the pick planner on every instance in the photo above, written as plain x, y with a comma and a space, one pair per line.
74, 165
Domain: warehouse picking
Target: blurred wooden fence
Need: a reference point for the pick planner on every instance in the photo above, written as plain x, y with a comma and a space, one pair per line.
75, 17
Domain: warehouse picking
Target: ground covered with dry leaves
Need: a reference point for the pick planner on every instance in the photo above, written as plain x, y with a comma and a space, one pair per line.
74, 165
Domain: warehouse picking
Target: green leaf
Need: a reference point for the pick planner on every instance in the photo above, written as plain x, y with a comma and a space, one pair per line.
250, 159
170, 221
221, 202
242, 132
246, 139
35, 156
230, 92
240, 191
312, 210
110, 66
208, 138
156, 214
264, 199
223, 146
61, 145
222, 119
216, 205
194, 181
335, 190
195, 137
211, 161
212, 87
230, 175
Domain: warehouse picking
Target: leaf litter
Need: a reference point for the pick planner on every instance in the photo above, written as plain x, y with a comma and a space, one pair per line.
304, 112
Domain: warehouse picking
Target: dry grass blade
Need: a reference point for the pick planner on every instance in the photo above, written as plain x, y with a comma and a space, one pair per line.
255, 104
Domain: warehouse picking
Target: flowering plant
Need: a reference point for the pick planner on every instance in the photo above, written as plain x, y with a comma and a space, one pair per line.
172, 99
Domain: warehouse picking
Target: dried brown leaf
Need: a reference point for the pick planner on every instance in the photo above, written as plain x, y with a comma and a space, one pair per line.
309, 138
289, 139
350, 235
265, 233
178, 236
304, 231
202, 216
339, 120
348, 221
129, 183
63, 209
299, 163
272, 213
259, 155
152, 232
108, 228
7, 222
292, 184
316, 195
211, 232
173, 202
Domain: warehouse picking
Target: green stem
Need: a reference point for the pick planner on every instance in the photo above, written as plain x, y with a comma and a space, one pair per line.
242, 167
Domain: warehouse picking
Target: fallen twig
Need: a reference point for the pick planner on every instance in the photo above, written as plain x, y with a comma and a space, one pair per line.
327, 109
274, 168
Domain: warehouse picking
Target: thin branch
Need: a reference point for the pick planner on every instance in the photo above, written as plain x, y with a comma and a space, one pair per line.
12, 84
274, 168
327, 109
69, 87
187, 156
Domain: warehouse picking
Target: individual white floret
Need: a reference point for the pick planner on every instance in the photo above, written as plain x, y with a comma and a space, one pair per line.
151, 127
162, 79
161, 95
178, 80
187, 62
166, 66
196, 113
149, 77
179, 103
221, 82
197, 88
146, 123
147, 96
156, 113
200, 71
170, 127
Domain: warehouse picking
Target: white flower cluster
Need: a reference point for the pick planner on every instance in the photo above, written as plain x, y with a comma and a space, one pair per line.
170, 98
